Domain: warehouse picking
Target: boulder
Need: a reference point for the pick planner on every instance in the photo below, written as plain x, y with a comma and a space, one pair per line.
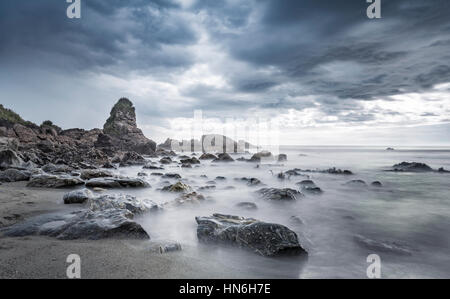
282, 157
116, 182
192, 160
131, 159
53, 181
90, 174
77, 196
276, 194
178, 187
121, 202
166, 160
171, 176
376, 184
356, 183
266, 239
14, 175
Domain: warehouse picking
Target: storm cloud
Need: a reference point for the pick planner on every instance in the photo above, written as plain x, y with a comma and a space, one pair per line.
227, 58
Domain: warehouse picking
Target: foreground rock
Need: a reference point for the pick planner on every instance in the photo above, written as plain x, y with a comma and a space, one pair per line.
10, 159
88, 224
14, 175
266, 239
275, 194
54, 181
116, 182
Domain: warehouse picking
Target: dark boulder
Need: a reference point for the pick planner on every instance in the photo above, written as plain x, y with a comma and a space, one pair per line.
53, 181
266, 239
223, 158
207, 156
264, 155
116, 182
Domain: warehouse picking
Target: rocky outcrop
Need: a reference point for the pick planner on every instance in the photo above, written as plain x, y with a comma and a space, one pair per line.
412, 167
266, 239
121, 127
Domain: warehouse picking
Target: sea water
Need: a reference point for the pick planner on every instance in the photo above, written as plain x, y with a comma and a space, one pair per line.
406, 222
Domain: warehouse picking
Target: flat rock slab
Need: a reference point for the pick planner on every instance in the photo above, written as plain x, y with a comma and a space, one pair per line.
266, 239
116, 182
54, 181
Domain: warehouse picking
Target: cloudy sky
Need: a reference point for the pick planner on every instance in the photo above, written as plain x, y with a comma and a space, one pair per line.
320, 69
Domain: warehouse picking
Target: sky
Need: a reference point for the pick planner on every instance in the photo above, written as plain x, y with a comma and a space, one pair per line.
320, 70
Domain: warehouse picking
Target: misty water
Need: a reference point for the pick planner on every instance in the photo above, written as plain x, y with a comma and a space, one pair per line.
406, 222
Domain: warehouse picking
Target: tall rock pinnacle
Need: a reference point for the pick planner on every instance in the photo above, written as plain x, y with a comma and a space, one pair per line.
122, 128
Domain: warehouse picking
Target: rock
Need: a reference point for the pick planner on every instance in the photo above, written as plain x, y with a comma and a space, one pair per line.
124, 202
172, 176
116, 182
90, 174
178, 187
77, 196
442, 170
208, 156
356, 183
186, 166
261, 155
9, 159
376, 184
220, 178
296, 220
308, 183
412, 167
122, 127
167, 145
142, 174
390, 149
266, 239
209, 187
251, 181
157, 174
109, 165
333, 170
223, 158
312, 190
53, 181
132, 159
88, 224
247, 205
190, 198
56, 169
166, 160
149, 166
192, 160
282, 157
276, 194
14, 175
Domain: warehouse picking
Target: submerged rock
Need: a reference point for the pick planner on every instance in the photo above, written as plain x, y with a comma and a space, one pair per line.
247, 205
166, 160
306, 183
376, 184
116, 182
53, 181
149, 166
251, 181
412, 167
382, 246
266, 239
356, 183
282, 157
312, 190
172, 176
77, 196
192, 160
190, 198
277, 194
